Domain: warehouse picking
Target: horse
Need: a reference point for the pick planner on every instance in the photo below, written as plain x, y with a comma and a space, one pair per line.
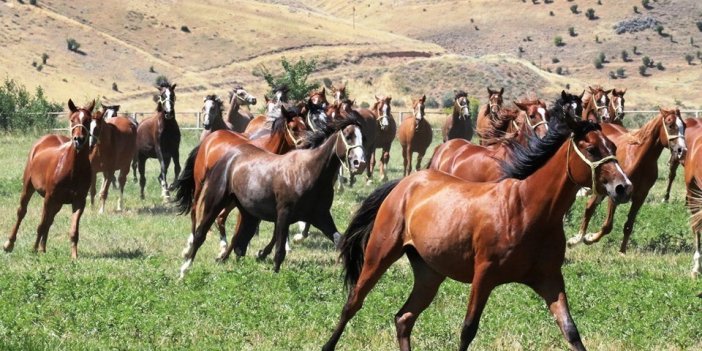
449, 227
638, 153
296, 186
459, 125
112, 144
504, 125
369, 129
280, 98
616, 107
286, 134
315, 110
415, 135
58, 168
212, 112
339, 94
386, 128
238, 119
477, 163
159, 137
596, 104
693, 182
488, 113
534, 114
673, 163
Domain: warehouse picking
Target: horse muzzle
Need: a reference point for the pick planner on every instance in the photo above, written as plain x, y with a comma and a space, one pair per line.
79, 142
357, 166
252, 101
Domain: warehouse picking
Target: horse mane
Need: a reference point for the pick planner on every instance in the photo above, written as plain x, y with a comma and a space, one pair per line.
497, 131
525, 160
587, 98
459, 94
315, 139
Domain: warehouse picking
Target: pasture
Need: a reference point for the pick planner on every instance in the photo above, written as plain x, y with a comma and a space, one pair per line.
123, 292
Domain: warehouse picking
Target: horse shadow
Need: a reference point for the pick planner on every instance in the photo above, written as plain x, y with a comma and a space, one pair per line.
123, 254
157, 210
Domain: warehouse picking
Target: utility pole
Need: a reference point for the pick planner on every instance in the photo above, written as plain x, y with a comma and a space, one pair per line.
354, 18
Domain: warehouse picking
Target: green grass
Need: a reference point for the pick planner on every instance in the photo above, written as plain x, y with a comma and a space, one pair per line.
123, 291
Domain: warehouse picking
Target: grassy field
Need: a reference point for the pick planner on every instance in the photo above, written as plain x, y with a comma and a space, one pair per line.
123, 291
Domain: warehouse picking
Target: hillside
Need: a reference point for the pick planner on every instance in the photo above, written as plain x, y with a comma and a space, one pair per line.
396, 47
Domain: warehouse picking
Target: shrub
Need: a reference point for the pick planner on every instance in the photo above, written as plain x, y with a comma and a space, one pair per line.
161, 80
574, 9
659, 65
72, 44
397, 103
44, 58
447, 100
558, 41
634, 50
550, 13
114, 86
34, 64
152, 70
659, 29
294, 76
621, 72
185, 29
555, 60
597, 38
431, 103
636, 9
22, 110
601, 56
699, 25
327, 82
40, 67
646, 4
571, 31
598, 63
625, 56
646, 61
642, 70
590, 14
33, 2
612, 75
365, 104
559, 70
689, 58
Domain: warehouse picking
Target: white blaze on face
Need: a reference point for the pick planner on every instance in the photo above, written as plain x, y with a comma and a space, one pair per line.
356, 153
93, 125
542, 112
167, 105
109, 113
605, 110
208, 110
681, 133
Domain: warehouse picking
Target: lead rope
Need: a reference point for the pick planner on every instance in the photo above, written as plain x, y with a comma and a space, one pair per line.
593, 165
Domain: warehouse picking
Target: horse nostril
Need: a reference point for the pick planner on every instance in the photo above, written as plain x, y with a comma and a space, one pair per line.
620, 190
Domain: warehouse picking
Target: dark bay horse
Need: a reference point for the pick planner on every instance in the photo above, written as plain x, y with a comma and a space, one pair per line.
459, 125
212, 119
479, 163
638, 154
286, 133
315, 110
596, 104
113, 145
448, 227
159, 137
488, 113
415, 135
237, 118
296, 186
693, 182
59, 170
386, 128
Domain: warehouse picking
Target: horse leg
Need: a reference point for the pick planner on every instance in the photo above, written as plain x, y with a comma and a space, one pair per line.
141, 163
304, 232
27, 192
109, 176
404, 160
552, 290
480, 291
371, 167
384, 161
590, 208
221, 226
420, 156
78, 207
165, 163
636, 204
93, 184
48, 213
606, 227
673, 169
340, 180
697, 258
205, 217
369, 174
379, 256
282, 227
176, 165
426, 285
122, 180
245, 229
325, 223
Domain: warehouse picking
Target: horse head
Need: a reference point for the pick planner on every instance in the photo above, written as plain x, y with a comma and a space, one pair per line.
240, 97
599, 98
382, 110
316, 106
211, 110
571, 104
461, 105
80, 121
616, 105
495, 100
536, 116
295, 127
166, 100
349, 148
339, 93
673, 133
418, 108
109, 111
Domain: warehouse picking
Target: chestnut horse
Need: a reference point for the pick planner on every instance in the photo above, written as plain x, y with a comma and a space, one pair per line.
459, 125
478, 163
693, 181
415, 135
488, 114
596, 104
673, 162
296, 186
485, 234
112, 144
386, 128
339, 93
212, 116
238, 119
534, 114
159, 137
286, 134
616, 107
58, 169
638, 152
280, 98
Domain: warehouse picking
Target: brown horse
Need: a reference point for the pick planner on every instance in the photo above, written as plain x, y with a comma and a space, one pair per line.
386, 128
502, 126
339, 93
159, 137
478, 163
212, 116
238, 119
448, 227
616, 107
673, 163
286, 134
315, 110
296, 186
58, 169
638, 153
488, 114
596, 104
369, 128
415, 135
534, 114
112, 144
280, 98
459, 125
693, 181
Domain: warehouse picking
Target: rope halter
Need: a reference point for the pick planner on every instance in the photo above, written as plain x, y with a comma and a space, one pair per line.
340, 135
593, 165
598, 108
667, 133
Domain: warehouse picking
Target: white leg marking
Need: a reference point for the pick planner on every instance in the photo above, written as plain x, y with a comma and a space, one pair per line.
298, 238
185, 267
696, 263
188, 245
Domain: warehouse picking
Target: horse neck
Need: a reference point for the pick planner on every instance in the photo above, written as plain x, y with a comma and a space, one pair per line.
218, 123
649, 137
276, 142
456, 113
325, 164
233, 113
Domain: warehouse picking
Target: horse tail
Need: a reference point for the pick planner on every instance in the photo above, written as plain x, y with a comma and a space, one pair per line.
431, 159
185, 185
353, 243
694, 203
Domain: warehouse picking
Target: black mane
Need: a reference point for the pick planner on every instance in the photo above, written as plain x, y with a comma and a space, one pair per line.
315, 139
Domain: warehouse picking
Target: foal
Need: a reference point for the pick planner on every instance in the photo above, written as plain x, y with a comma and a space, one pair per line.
58, 169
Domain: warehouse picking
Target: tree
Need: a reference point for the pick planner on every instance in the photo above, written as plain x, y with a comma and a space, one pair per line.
558, 41
590, 14
44, 58
22, 110
574, 9
447, 100
294, 76
689, 58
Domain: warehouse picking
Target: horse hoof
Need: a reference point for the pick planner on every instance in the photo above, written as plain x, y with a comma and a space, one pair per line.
298, 238
574, 241
260, 256
8, 246
369, 182
590, 239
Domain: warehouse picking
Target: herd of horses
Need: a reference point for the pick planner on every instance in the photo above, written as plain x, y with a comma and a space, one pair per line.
478, 214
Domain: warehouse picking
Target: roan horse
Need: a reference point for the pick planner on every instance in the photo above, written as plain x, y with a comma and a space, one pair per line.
286, 134
693, 181
459, 125
466, 239
112, 145
159, 137
415, 135
296, 186
238, 119
638, 153
487, 115
596, 104
58, 169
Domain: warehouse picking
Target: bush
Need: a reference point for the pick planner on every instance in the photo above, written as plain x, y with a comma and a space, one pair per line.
152, 70
397, 103
612, 75
625, 56
602, 57
598, 63
558, 41
72, 44
185, 29
597, 38
44, 58
21, 110
365, 104
646, 61
114, 86
689, 58
574, 9
659, 29
634, 50
636, 9
621, 72
555, 60
642, 70
646, 4
33, 2
431, 103
590, 14
559, 70
161, 81
571, 31
659, 65
447, 100
294, 76
699, 25
327, 82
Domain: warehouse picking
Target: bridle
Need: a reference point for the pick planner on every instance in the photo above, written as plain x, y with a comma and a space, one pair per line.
491, 104
291, 135
340, 135
667, 134
533, 126
598, 108
381, 117
161, 101
593, 165
463, 106
619, 112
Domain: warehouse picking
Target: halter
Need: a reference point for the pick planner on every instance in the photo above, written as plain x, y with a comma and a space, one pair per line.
593, 165
309, 121
667, 134
490, 105
161, 101
598, 107
87, 131
295, 141
461, 115
348, 149
618, 114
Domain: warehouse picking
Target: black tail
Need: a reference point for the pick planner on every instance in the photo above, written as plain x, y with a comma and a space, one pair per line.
185, 185
353, 243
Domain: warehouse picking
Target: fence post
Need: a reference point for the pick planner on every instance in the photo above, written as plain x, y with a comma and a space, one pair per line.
197, 123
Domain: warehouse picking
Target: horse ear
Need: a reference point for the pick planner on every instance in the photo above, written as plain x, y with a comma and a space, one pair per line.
489, 91
520, 105
622, 92
502, 91
608, 91
563, 94
582, 94
72, 106
91, 107
423, 98
173, 86
389, 98
590, 89
116, 108
377, 98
